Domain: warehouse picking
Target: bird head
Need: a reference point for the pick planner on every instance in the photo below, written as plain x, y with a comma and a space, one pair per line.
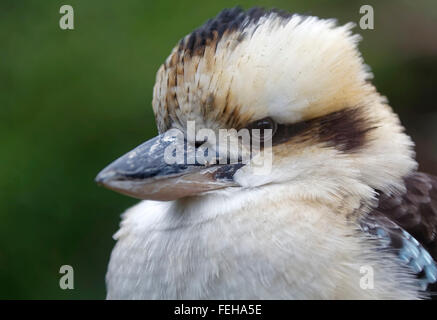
297, 84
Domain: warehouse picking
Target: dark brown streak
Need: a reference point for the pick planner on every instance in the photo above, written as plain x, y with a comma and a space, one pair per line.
228, 20
414, 211
346, 130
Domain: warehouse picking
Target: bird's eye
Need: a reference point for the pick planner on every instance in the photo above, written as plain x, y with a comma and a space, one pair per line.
198, 144
263, 125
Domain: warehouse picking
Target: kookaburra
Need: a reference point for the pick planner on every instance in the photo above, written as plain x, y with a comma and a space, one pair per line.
342, 202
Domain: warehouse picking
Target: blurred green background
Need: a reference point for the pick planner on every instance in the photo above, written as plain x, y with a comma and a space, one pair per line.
73, 101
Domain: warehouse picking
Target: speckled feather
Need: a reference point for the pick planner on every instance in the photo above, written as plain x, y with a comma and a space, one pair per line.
408, 222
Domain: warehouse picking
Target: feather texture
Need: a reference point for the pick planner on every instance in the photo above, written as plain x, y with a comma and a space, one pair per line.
408, 224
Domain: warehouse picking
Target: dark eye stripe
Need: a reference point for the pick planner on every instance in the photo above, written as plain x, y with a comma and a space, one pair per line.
285, 132
281, 132
262, 125
346, 130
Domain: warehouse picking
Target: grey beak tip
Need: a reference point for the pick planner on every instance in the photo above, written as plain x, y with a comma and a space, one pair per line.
104, 177
98, 180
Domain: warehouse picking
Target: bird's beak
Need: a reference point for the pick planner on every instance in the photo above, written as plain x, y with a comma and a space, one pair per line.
144, 173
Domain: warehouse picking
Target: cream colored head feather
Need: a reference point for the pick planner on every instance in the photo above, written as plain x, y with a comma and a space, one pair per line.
244, 66
288, 67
